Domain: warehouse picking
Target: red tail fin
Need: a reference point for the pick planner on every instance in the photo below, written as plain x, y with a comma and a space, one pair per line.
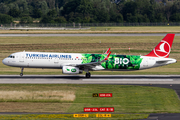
163, 48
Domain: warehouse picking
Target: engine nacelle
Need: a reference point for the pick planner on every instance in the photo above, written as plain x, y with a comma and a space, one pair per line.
71, 70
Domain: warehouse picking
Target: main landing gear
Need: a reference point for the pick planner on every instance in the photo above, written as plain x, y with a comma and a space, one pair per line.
21, 74
88, 75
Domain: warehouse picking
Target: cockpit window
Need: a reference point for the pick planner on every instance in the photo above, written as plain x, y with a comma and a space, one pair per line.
11, 56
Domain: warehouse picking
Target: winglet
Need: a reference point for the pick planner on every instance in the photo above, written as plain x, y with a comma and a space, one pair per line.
107, 51
106, 58
163, 48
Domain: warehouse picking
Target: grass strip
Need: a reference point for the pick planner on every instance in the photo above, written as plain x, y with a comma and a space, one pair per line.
70, 116
126, 98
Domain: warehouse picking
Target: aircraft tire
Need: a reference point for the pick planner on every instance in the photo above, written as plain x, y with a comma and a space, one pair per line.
88, 75
21, 74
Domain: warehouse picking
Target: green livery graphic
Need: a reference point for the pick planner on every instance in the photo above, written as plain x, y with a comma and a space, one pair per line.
73, 70
129, 62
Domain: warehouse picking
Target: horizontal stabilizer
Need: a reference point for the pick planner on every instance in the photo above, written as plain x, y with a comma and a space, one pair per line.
166, 61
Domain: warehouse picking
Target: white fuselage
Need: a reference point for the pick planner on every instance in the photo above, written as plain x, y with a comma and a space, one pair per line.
58, 60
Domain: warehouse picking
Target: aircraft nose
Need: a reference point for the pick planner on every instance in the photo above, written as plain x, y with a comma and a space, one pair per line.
4, 61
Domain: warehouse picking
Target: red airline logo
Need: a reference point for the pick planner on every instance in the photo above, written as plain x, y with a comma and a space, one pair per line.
162, 49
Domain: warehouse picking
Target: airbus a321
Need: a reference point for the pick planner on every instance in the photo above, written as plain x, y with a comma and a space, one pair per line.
76, 63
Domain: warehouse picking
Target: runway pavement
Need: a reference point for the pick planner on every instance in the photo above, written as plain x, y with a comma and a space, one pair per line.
95, 79
72, 35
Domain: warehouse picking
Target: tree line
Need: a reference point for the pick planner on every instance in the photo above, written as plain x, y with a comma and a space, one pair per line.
89, 11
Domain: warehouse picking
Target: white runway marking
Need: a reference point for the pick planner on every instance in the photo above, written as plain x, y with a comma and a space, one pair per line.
127, 80
11, 35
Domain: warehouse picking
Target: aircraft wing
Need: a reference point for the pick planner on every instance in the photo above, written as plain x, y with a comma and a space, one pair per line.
93, 64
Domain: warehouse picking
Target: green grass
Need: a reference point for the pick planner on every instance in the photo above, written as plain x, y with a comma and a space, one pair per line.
81, 39
129, 102
139, 29
126, 98
70, 116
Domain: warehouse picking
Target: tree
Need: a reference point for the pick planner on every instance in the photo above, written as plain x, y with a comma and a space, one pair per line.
44, 7
85, 8
4, 9
168, 10
14, 13
51, 4
102, 16
119, 18
70, 7
129, 10
52, 13
115, 16
5, 19
47, 19
131, 18
26, 20
160, 18
142, 18
175, 17
23, 6
164, 1
60, 20
37, 13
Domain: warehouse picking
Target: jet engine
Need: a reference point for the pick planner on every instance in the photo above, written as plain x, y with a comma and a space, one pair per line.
71, 70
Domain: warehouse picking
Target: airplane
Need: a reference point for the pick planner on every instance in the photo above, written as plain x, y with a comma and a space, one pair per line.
76, 63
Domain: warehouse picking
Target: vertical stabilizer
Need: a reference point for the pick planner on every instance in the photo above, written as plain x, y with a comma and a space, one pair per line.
163, 49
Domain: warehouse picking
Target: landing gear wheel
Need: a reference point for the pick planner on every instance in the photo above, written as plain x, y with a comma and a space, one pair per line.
88, 75
21, 74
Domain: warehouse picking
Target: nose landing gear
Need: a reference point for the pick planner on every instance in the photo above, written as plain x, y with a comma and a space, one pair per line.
21, 74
